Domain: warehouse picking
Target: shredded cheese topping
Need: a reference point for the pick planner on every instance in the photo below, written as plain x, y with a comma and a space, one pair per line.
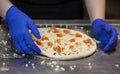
63, 42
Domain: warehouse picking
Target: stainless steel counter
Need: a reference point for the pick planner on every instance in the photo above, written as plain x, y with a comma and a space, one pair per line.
98, 63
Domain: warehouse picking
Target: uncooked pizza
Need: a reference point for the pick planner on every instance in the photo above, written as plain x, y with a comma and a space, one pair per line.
64, 44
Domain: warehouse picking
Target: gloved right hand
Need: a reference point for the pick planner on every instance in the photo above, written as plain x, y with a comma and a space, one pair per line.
19, 25
105, 33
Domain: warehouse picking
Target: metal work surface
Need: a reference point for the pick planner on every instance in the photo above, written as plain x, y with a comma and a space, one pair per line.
98, 63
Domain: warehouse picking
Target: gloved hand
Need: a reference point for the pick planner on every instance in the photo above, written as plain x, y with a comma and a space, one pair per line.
105, 33
19, 25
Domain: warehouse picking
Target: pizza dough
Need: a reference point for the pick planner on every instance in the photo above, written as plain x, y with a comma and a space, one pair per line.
64, 44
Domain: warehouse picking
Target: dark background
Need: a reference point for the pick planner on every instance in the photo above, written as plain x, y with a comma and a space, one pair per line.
112, 10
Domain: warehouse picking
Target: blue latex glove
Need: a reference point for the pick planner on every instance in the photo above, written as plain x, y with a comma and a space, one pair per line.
19, 25
105, 33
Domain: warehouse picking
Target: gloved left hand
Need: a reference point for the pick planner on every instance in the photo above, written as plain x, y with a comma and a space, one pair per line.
105, 33
19, 25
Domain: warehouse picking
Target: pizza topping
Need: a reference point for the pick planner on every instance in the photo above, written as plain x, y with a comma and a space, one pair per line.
48, 30
87, 41
78, 35
44, 38
66, 31
50, 44
59, 35
57, 41
63, 49
71, 47
64, 53
39, 43
53, 29
72, 40
57, 48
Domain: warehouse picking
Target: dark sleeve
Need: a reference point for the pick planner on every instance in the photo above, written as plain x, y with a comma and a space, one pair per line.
60, 9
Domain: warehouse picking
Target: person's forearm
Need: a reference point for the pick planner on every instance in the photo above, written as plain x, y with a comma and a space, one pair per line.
4, 6
96, 9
